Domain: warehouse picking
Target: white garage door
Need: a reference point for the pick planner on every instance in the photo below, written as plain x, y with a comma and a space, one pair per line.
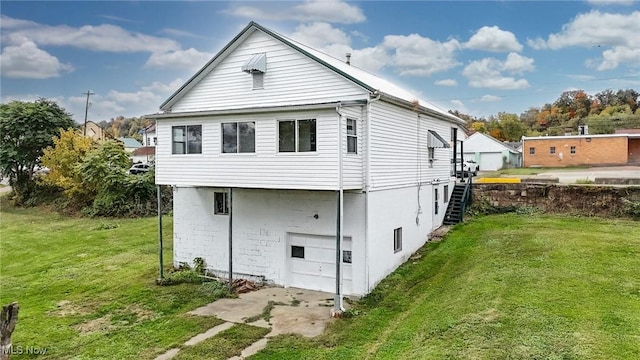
312, 261
490, 161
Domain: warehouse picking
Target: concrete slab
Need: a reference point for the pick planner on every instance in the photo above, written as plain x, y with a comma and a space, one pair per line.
251, 349
168, 355
304, 312
209, 333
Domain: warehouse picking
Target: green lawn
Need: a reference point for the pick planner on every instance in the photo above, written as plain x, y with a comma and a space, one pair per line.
86, 287
499, 287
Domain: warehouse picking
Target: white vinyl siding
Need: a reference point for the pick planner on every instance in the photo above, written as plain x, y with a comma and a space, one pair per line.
291, 79
398, 151
266, 168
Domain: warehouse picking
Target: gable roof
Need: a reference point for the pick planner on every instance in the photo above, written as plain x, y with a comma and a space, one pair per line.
375, 85
492, 140
130, 142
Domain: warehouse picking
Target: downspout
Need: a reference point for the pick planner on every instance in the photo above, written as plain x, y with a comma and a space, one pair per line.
367, 187
230, 205
160, 231
337, 300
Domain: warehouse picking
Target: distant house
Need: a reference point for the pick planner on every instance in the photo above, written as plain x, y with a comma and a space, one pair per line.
95, 132
149, 137
144, 154
301, 169
574, 150
489, 153
130, 144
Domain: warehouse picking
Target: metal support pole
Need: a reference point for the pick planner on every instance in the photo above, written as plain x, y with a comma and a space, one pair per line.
462, 160
337, 301
230, 205
455, 149
160, 231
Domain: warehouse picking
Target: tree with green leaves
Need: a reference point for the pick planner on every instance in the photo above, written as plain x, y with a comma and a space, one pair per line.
26, 128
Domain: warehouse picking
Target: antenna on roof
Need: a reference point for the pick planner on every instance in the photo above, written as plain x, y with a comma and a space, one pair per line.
348, 58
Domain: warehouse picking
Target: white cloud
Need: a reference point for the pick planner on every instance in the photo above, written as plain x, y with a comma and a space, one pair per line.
319, 35
417, 55
333, 11
27, 61
104, 37
617, 34
179, 59
489, 98
488, 72
492, 38
460, 106
446, 82
518, 64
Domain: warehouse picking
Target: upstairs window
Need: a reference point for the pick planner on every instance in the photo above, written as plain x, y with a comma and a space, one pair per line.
297, 135
239, 137
352, 137
186, 139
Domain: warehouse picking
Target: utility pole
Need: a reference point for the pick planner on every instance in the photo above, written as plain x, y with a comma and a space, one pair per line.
86, 110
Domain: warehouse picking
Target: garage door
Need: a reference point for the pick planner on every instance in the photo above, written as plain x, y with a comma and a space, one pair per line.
312, 261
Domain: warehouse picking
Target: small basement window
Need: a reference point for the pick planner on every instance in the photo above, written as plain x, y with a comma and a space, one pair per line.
221, 207
573, 149
297, 252
445, 194
552, 150
532, 151
346, 256
397, 240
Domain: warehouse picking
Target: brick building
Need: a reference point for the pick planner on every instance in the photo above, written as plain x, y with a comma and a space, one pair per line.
576, 150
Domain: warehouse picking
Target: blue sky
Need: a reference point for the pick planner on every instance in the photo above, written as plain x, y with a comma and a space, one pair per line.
477, 57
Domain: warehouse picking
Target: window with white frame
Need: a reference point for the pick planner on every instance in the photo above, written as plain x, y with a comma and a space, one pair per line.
220, 205
186, 139
297, 135
397, 240
352, 137
445, 194
239, 137
436, 204
573, 149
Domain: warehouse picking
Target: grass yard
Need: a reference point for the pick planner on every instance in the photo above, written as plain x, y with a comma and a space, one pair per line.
498, 287
86, 287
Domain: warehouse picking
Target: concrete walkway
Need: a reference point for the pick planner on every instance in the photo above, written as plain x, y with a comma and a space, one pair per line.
294, 311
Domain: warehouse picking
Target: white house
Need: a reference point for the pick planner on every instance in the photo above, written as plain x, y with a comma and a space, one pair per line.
489, 153
275, 150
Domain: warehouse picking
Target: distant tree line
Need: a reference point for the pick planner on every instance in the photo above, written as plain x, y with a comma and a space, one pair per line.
125, 127
603, 113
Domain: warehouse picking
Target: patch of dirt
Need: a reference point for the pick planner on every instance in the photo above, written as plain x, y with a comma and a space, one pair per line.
439, 233
141, 313
100, 324
67, 308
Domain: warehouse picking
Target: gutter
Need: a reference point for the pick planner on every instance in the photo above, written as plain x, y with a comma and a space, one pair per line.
367, 186
240, 111
421, 109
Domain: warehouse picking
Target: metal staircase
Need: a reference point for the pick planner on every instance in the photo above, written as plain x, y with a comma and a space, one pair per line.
460, 199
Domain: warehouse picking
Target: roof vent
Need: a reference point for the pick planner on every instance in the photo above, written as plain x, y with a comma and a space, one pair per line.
348, 58
257, 63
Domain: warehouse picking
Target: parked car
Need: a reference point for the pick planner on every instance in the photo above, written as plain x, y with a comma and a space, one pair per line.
139, 169
471, 167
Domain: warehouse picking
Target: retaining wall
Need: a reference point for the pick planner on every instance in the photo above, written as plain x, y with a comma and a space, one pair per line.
589, 200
